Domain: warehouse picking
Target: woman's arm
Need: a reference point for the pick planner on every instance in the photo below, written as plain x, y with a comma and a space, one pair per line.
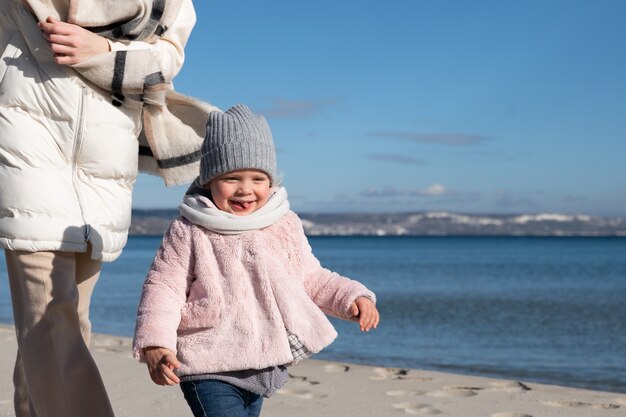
170, 47
73, 44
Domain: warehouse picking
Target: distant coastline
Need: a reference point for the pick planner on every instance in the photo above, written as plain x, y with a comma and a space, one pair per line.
434, 223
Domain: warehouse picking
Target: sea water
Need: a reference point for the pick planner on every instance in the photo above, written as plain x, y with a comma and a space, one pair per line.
550, 310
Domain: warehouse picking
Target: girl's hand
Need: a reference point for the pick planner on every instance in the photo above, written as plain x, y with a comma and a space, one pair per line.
161, 363
365, 310
71, 43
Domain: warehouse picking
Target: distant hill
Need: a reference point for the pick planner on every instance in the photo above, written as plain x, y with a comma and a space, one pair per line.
439, 223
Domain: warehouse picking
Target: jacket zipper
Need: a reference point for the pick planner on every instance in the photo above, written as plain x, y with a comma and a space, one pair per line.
78, 143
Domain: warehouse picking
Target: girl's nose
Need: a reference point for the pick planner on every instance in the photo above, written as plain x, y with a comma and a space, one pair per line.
244, 187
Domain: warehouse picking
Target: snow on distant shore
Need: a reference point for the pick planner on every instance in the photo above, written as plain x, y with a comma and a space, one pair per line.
436, 223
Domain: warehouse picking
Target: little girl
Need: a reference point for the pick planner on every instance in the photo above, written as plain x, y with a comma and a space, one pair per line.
235, 294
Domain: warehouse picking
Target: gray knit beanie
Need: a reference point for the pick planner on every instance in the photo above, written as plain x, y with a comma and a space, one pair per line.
237, 139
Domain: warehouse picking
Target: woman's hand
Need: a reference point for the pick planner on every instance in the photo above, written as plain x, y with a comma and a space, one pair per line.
71, 43
365, 310
161, 364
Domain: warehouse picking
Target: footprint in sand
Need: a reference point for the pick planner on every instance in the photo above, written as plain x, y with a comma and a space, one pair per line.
333, 368
581, 404
304, 379
419, 409
452, 391
403, 393
510, 414
384, 374
509, 386
300, 393
110, 344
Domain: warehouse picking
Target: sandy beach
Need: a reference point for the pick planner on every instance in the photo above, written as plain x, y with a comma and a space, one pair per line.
322, 388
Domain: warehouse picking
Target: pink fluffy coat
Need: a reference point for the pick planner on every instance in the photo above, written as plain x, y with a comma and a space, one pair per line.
225, 302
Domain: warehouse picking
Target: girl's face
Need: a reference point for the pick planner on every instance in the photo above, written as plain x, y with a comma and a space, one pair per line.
240, 192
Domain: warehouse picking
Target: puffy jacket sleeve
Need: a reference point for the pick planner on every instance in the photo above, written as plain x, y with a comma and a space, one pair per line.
331, 292
170, 47
165, 290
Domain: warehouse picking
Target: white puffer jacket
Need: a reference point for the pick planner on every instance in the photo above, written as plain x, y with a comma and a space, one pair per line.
68, 158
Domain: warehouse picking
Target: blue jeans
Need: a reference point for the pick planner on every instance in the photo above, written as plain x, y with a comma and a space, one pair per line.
212, 398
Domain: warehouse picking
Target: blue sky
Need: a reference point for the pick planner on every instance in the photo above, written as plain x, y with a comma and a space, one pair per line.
411, 105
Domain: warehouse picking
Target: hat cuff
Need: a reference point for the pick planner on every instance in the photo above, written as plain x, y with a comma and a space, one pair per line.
235, 156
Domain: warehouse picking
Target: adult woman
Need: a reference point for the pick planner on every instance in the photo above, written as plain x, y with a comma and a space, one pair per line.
76, 77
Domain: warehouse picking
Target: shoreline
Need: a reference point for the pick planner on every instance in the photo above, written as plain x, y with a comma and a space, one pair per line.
475, 372
319, 387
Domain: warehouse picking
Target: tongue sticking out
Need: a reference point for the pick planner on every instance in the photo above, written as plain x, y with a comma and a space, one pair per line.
243, 205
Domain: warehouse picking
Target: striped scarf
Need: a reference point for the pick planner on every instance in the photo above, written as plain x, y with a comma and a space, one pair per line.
174, 125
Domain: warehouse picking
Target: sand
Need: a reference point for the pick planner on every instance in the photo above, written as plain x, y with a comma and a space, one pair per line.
321, 388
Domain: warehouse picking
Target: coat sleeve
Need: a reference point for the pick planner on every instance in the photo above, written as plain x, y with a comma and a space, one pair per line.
165, 290
331, 292
170, 48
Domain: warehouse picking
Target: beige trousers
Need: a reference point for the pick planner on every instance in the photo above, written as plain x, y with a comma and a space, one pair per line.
55, 375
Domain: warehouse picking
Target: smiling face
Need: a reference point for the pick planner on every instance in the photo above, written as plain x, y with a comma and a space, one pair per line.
240, 192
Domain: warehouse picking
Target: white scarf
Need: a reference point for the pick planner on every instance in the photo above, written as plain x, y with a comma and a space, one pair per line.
200, 210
